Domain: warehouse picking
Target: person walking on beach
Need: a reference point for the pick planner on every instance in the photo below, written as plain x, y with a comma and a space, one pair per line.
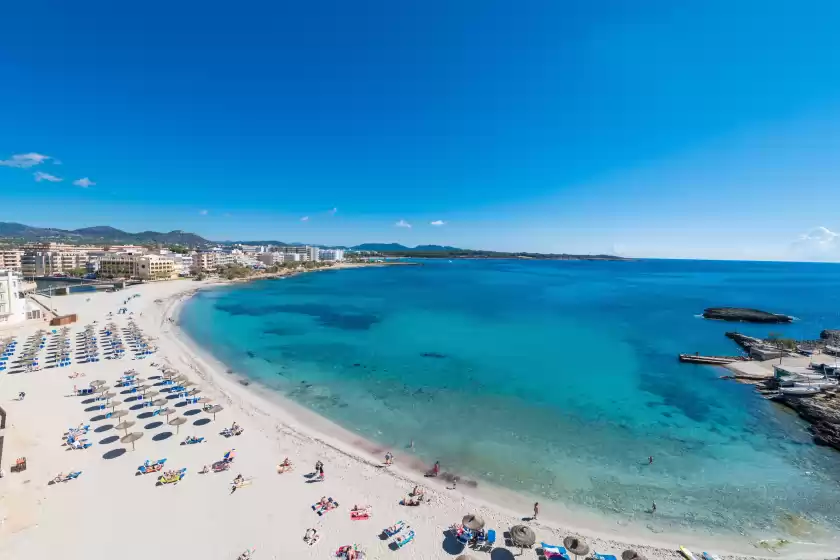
653, 508
536, 511
389, 459
650, 460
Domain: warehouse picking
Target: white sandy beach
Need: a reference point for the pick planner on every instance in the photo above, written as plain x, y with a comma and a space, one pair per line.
111, 512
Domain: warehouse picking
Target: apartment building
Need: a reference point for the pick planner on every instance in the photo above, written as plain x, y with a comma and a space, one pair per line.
12, 306
332, 255
144, 267
306, 252
47, 259
271, 259
10, 259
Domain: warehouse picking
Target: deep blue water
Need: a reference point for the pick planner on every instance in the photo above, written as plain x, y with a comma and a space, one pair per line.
556, 378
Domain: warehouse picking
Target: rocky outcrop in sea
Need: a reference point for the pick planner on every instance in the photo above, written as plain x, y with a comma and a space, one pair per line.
746, 315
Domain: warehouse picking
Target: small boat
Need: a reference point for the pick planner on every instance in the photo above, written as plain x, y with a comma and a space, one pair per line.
800, 391
687, 553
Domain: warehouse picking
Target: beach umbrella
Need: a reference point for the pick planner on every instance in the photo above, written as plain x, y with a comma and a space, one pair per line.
632, 555
177, 422
204, 400
522, 536
195, 391
114, 404
215, 409
144, 387
576, 546
119, 414
108, 395
160, 402
125, 425
167, 411
102, 388
151, 394
471, 521
131, 438
97, 383
465, 557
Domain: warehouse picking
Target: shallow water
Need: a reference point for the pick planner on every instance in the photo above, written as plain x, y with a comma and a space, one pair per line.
556, 378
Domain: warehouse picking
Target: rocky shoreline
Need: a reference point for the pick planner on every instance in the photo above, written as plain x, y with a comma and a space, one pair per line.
823, 412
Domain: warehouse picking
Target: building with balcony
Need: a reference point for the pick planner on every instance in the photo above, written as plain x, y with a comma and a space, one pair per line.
332, 255
271, 259
10, 259
12, 305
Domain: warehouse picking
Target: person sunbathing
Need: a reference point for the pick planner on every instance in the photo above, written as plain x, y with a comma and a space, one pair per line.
204, 470
286, 465
411, 502
311, 537
238, 480
418, 491
323, 501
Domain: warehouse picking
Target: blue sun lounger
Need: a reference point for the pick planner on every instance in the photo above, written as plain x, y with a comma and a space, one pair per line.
597, 556
72, 476
402, 541
487, 542
554, 551
465, 537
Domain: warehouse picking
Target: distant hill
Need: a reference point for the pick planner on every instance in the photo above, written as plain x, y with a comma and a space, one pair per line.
99, 235
396, 247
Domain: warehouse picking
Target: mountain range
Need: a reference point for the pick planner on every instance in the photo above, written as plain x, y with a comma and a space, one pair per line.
97, 235
100, 235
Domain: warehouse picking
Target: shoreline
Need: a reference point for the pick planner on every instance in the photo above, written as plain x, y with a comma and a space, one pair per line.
595, 529
275, 427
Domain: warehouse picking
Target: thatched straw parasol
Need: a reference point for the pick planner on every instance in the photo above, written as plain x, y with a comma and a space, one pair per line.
472, 522
178, 422
97, 383
151, 394
215, 409
204, 400
576, 546
119, 414
167, 411
102, 388
125, 425
131, 438
108, 395
114, 404
522, 536
160, 402
632, 555
465, 557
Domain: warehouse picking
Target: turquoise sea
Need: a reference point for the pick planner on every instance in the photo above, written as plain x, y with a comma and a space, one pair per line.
553, 378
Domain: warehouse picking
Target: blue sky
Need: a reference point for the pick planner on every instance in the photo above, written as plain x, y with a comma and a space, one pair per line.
655, 128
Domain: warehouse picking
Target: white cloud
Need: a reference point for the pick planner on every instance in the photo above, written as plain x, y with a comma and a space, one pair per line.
819, 244
41, 176
333, 211
84, 182
204, 212
403, 223
305, 219
437, 223
24, 160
